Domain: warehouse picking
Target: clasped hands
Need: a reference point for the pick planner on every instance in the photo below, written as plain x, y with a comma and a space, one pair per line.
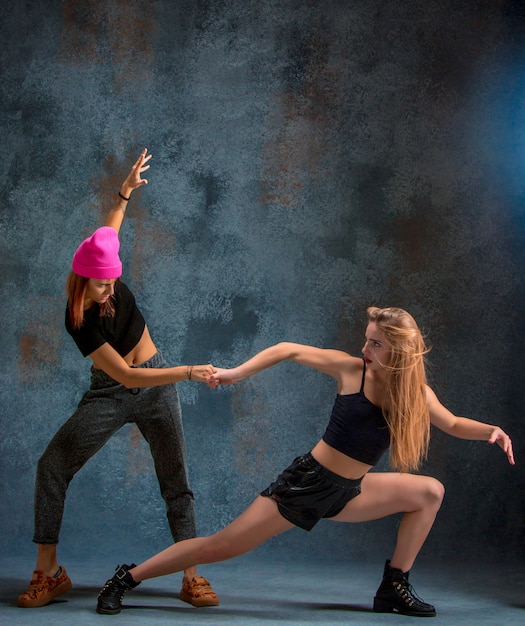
212, 376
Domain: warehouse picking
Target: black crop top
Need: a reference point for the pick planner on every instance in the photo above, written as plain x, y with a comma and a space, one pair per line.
122, 331
357, 427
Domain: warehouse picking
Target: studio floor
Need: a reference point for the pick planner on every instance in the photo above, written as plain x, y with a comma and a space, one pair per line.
255, 592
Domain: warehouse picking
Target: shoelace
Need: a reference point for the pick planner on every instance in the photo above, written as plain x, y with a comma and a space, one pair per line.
408, 595
203, 590
110, 589
36, 587
201, 587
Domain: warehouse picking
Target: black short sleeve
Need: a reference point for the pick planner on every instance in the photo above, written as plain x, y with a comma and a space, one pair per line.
122, 331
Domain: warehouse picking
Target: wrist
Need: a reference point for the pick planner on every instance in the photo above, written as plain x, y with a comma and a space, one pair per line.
237, 375
125, 191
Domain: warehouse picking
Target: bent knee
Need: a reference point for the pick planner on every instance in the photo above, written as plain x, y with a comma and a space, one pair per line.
434, 492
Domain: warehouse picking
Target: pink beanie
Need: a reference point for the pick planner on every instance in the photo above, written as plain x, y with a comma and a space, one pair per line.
97, 256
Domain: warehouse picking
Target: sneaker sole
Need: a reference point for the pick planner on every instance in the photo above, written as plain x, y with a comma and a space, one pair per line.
51, 595
199, 602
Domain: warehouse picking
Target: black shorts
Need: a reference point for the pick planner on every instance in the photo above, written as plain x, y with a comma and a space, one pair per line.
307, 492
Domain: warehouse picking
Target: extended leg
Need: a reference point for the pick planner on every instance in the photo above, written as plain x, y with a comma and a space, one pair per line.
258, 523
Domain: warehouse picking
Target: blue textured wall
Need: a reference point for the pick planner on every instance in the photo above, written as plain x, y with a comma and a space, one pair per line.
310, 159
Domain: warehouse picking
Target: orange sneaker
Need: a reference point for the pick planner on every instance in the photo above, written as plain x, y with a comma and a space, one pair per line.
42, 589
198, 592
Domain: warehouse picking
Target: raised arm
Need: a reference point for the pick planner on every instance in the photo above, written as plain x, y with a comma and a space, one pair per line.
109, 360
465, 428
331, 362
133, 181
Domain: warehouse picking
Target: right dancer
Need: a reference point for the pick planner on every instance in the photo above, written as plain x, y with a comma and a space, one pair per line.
383, 402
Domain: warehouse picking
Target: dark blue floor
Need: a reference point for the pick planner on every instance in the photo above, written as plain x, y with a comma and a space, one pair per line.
254, 592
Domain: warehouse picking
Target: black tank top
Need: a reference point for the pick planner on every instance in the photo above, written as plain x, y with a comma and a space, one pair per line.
357, 427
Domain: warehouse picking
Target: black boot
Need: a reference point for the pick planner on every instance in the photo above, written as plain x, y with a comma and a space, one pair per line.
396, 595
110, 596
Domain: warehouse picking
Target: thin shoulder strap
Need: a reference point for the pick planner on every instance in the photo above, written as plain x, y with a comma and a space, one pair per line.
363, 379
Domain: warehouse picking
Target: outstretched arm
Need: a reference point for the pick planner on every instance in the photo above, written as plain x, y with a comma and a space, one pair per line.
133, 181
466, 428
331, 362
109, 360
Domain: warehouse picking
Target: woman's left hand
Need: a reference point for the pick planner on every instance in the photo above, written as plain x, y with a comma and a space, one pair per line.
504, 442
223, 376
133, 179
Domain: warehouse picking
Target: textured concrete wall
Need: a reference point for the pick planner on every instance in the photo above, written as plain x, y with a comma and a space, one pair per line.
310, 159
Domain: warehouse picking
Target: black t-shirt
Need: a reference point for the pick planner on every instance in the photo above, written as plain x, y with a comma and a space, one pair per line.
122, 331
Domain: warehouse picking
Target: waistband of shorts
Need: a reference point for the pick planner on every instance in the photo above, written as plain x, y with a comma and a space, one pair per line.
348, 483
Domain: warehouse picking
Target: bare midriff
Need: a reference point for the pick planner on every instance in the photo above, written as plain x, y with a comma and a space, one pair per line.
339, 463
143, 351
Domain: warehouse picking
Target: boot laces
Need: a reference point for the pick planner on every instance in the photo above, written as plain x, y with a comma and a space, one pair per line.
112, 590
408, 595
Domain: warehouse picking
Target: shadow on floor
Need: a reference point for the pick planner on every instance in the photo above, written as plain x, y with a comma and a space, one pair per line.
254, 592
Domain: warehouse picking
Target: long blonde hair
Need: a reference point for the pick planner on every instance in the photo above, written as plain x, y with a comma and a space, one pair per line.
405, 408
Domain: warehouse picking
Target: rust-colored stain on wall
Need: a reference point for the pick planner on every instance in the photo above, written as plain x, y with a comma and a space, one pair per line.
97, 32
295, 156
150, 236
112, 173
40, 342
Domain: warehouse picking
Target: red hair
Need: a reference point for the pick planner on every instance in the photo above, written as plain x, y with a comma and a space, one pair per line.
76, 287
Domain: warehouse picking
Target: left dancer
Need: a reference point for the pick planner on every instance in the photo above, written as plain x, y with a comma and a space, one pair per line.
130, 382
383, 402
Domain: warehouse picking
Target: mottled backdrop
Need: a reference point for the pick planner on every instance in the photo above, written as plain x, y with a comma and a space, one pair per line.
311, 158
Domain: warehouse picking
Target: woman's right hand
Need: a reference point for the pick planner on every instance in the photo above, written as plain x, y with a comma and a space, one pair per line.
200, 373
223, 376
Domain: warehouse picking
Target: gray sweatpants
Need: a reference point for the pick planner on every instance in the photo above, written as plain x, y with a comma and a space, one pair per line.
105, 408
